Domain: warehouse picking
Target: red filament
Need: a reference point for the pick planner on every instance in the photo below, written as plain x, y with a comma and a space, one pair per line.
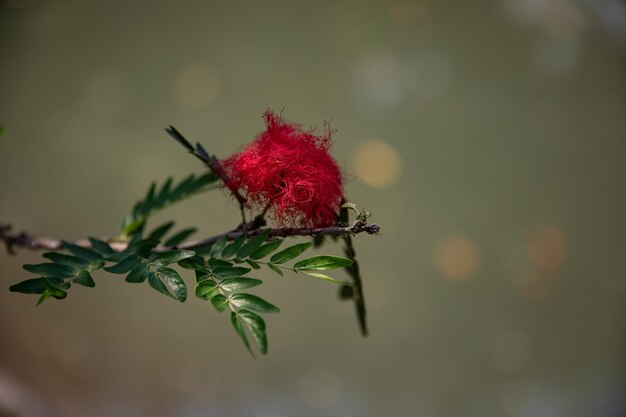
289, 171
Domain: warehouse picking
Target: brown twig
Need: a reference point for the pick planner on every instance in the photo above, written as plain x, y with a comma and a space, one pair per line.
13, 240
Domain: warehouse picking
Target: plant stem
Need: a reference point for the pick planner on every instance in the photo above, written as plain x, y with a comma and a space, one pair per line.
13, 240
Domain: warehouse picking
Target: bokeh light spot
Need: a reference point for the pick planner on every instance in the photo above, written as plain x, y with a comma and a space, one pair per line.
457, 257
410, 20
547, 247
377, 163
197, 86
319, 388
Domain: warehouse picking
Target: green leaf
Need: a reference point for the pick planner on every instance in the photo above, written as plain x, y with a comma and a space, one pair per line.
231, 249
219, 302
322, 263
51, 291
179, 138
234, 319
167, 281
252, 302
123, 266
290, 253
81, 252
325, 277
275, 268
159, 232
84, 278
252, 319
234, 284
51, 270
119, 256
202, 153
101, 246
138, 274
194, 262
230, 271
143, 247
256, 326
163, 195
170, 257
206, 179
46, 294
203, 250
146, 206
253, 264
207, 288
209, 296
132, 225
69, 260
180, 237
174, 282
54, 290
253, 244
95, 265
29, 286
202, 274
182, 188
218, 246
266, 249
218, 263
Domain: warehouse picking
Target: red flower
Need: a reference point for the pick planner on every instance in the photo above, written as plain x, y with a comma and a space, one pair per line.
290, 171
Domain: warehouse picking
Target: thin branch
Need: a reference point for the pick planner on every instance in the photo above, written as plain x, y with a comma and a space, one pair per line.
13, 240
209, 160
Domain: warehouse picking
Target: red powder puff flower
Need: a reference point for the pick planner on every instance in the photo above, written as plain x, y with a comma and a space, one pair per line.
289, 171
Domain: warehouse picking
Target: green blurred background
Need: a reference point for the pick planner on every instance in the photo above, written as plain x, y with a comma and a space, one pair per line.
487, 137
